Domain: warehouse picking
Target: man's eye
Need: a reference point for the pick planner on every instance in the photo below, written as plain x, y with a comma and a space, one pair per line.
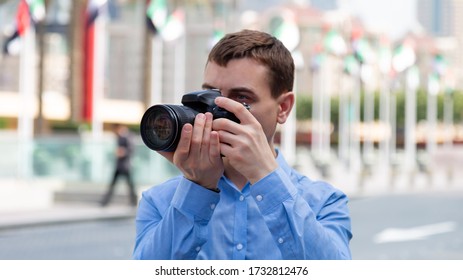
241, 98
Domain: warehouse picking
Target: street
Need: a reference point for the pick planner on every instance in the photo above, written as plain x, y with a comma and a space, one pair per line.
398, 227
404, 227
97, 240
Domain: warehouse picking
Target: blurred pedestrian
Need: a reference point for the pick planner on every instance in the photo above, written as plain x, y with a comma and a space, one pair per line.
124, 152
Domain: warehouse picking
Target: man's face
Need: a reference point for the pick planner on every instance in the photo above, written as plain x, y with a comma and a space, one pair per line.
246, 81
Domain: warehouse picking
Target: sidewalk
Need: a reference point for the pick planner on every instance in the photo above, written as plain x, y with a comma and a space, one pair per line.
43, 202
64, 213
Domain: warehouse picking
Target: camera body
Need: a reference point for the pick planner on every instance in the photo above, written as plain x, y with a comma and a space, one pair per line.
161, 124
204, 101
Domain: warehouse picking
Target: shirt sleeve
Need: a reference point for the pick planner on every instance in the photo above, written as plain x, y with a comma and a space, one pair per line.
176, 230
319, 230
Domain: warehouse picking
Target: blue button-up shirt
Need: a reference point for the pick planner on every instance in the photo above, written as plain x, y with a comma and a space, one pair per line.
283, 216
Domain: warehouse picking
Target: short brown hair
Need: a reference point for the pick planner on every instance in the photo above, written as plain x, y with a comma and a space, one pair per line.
265, 49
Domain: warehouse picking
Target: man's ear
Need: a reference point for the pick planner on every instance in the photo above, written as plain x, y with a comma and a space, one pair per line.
285, 103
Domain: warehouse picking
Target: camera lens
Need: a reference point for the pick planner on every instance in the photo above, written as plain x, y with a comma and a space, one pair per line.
161, 126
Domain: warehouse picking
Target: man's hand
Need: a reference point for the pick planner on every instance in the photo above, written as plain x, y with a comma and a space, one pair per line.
198, 153
245, 145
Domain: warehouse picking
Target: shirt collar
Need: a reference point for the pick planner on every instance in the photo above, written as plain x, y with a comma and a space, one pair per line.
281, 164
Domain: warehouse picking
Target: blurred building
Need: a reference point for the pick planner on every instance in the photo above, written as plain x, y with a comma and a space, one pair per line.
437, 16
324, 5
337, 59
444, 19
141, 69
127, 44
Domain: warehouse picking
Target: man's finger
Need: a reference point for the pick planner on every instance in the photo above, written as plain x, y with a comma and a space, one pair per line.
214, 149
197, 136
207, 131
238, 109
183, 147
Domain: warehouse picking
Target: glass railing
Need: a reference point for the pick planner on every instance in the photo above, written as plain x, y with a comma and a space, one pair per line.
77, 159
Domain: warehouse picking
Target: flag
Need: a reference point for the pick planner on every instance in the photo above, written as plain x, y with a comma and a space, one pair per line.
318, 58
285, 28
174, 27
28, 13
170, 27
439, 65
12, 44
217, 34
37, 10
351, 65
404, 56
95, 8
362, 50
334, 43
384, 56
156, 15
23, 19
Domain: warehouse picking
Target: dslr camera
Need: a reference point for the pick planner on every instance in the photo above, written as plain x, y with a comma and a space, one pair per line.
161, 125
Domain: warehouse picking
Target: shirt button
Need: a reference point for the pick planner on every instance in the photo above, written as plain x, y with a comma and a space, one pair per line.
198, 249
212, 206
239, 246
241, 197
259, 197
280, 240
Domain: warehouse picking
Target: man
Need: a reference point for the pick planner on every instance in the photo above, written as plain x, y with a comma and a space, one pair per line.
124, 152
238, 198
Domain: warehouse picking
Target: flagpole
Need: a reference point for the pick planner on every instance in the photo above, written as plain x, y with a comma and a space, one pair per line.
179, 69
157, 15
385, 117
315, 115
431, 114
98, 76
368, 119
448, 118
157, 57
412, 80
174, 32
27, 79
384, 65
393, 121
98, 95
157, 49
343, 139
321, 113
288, 132
288, 137
449, 84
355, 156
326, 123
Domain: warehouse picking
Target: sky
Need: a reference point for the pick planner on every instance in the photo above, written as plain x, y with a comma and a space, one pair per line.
395, 17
